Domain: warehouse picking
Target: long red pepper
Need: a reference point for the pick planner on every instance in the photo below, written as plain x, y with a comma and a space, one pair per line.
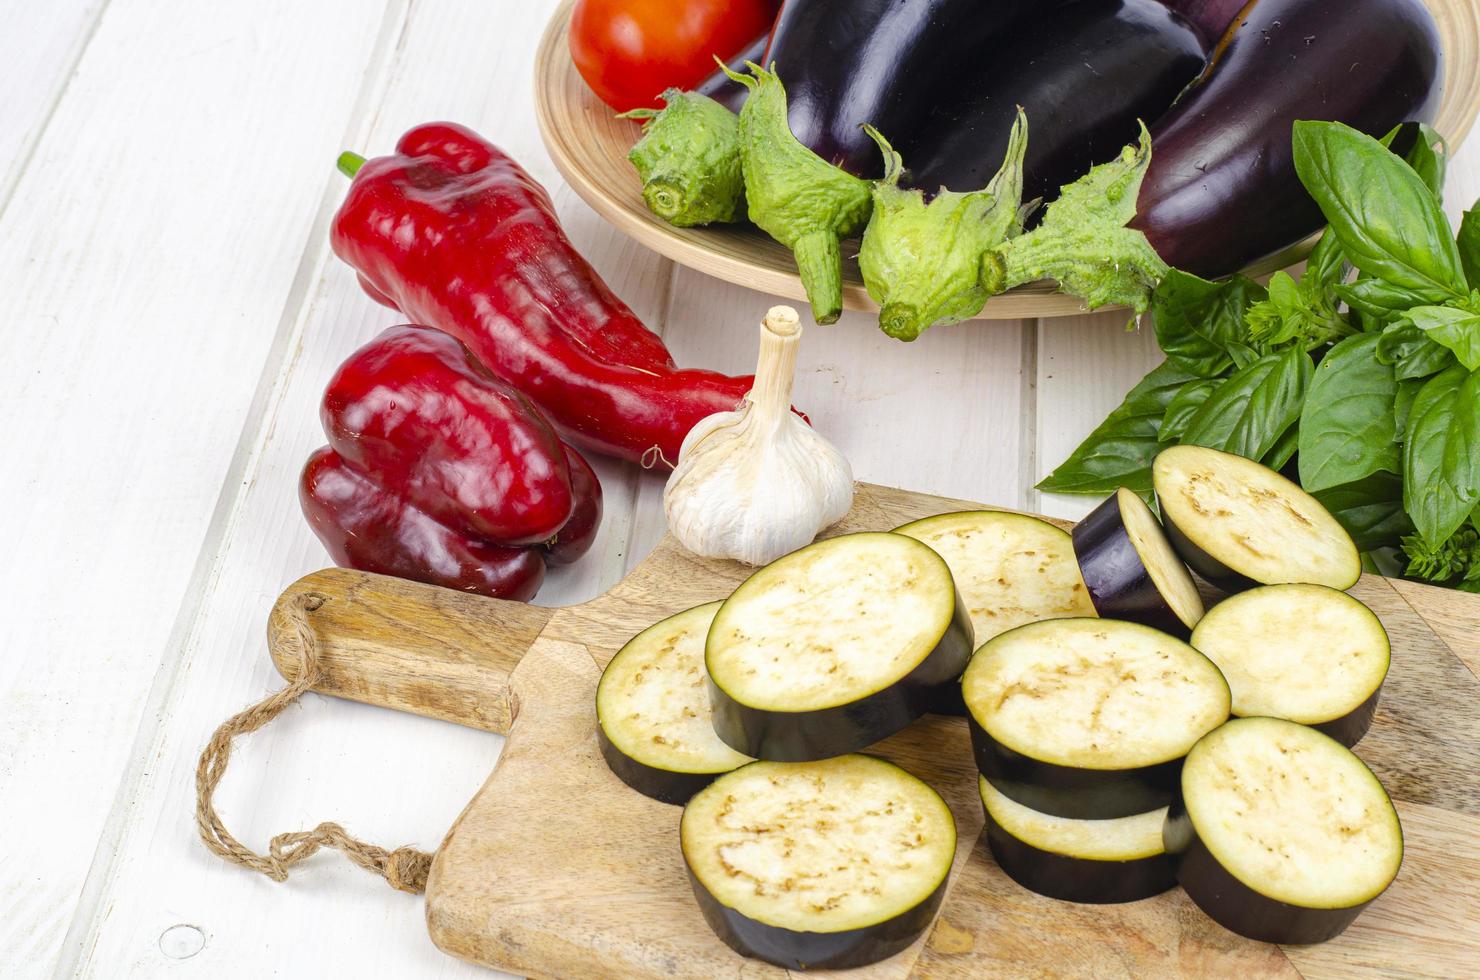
456, 235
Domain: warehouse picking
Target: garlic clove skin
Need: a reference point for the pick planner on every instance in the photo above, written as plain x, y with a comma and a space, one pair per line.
758, 482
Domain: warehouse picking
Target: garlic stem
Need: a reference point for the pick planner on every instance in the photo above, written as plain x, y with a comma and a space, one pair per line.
775, 369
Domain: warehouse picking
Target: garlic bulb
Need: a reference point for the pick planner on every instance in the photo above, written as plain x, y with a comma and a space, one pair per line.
758, 482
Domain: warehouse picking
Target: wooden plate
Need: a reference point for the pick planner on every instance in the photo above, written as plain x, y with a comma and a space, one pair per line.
589, 145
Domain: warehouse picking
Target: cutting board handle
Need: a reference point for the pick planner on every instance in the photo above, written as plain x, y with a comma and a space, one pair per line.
408, 646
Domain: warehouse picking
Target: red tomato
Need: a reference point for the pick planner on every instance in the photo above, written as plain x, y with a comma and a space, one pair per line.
629, 51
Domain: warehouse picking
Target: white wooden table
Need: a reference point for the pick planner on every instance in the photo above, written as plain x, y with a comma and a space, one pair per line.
171, 312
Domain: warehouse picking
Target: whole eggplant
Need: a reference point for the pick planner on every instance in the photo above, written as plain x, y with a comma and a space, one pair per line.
1221, 191
849, 62
1085, 73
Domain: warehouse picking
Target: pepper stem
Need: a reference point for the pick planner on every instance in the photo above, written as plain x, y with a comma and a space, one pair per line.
819, 261
775, 369
349, 163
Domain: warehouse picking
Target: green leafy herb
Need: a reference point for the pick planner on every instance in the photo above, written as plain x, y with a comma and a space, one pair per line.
1184, 406
1119, 452
1377, 299
1370, 509
1295, 312
1198, 323
1411, 352
1249, 412
1469, 246
1347, 431
1456, 329
1441, 455
1428, 158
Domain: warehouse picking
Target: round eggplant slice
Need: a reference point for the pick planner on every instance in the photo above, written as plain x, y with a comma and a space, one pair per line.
1130, 569
1306, 653
834, 647
652, 711
1010, 569
1089, 718
1092, 861
828, 864
1238, 523
1280, 833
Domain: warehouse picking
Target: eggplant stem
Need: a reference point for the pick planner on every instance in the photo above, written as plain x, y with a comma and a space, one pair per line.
819, 260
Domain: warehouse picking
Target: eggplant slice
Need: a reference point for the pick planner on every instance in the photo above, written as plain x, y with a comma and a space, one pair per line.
835, 646
652, 711
1131, 570
1089, 718
1306, 653
828, 864
1280, 833
1092, 861
1011, 569
1238, 523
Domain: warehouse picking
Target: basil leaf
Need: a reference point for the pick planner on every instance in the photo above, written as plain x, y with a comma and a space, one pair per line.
1347, 431
1377, 299
1441, 458
1459, 330
1388, 222
1469, 245
1283, 450
1184, 405
1408, 390
1428, 158
1254, 407
1371, 510
1412, 352
1326, 264
1119, 452
1197, 321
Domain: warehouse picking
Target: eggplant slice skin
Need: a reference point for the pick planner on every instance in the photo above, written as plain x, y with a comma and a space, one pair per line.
777, 883
835, 646
1238, 523
1089, 718
1295, 791
652, 711
1307, 653
1090, 861
1131, 570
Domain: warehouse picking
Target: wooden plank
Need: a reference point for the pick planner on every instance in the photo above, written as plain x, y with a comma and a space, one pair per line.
147, 255
327, 758
39, 48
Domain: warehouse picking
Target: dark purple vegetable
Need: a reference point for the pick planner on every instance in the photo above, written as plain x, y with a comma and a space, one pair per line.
1279, 833
1222, 191
849, 62
1084, 74
1130, 569
725, 90
1210, 18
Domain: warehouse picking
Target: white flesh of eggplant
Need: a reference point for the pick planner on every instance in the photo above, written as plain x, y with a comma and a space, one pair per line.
1011, 569
1292, 814
1094, 693
1119, 839
1167, 572
825, 846
1303, 652
1252, 519
832, 623
653, 703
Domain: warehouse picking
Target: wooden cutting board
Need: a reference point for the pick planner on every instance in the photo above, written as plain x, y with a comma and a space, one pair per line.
557, 869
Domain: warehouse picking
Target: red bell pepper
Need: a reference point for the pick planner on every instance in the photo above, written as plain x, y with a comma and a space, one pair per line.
458, 236
438, 472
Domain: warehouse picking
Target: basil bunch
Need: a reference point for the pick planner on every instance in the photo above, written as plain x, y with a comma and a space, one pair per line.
1362, 377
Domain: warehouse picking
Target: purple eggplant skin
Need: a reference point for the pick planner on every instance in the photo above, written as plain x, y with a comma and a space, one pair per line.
1234, 905
1221, 192
1210, 18
796, 950
725, 90
1116, 577
1064, 791
849, 62
1350, 727
658, 784
805, 736
1207, 568
1085, 74
1072, 879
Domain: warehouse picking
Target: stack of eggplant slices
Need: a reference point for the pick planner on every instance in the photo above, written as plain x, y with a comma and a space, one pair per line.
1127, 739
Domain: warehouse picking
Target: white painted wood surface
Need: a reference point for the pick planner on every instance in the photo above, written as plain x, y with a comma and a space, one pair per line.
172, 314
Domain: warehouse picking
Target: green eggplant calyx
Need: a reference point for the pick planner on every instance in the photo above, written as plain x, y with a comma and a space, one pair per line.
1083, 242
349, 163
926, 260
795, 196
689, 159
